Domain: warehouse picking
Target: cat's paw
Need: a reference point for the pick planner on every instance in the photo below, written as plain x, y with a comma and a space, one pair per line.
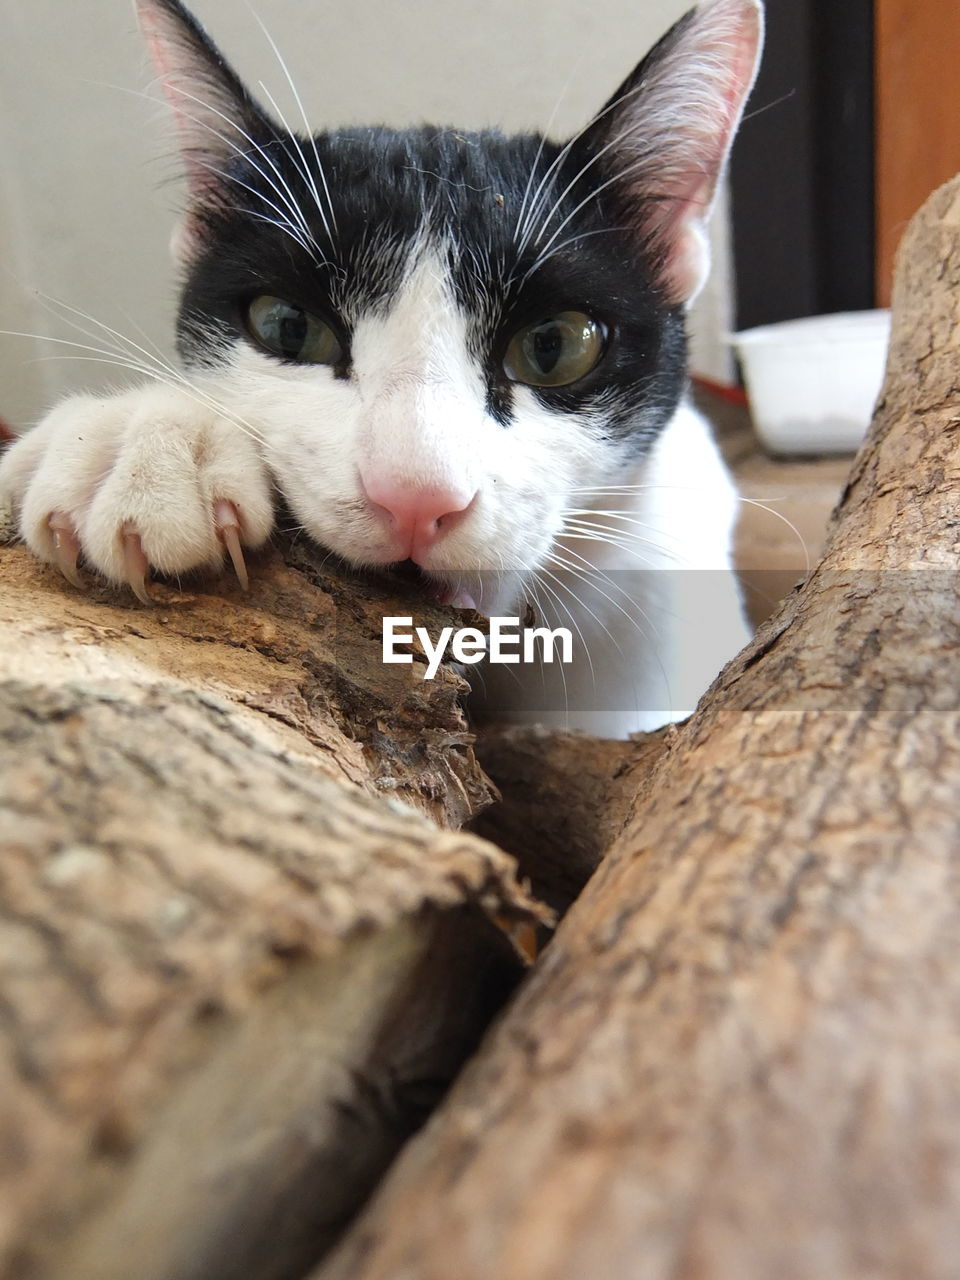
152, 478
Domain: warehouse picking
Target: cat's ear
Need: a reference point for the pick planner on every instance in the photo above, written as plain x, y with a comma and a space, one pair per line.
662, 141
217, 119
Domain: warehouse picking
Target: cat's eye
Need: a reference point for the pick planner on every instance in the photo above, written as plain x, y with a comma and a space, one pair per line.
292, 333
556, 351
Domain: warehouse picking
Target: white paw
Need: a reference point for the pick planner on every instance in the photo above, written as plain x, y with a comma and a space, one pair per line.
150, 478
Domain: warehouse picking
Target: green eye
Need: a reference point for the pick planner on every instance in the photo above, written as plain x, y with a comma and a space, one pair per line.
291, 333
555, 352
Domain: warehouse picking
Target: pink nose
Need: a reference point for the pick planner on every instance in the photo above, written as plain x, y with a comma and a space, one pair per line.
417, 518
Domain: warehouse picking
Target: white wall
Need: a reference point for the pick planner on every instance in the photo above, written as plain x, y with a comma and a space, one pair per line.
87, 188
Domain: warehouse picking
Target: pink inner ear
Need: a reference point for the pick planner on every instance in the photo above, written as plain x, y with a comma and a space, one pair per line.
187, 71
158, 48
700, 142
151, 35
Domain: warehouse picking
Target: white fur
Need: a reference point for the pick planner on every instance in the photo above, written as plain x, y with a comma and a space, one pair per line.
659, 618
155, 459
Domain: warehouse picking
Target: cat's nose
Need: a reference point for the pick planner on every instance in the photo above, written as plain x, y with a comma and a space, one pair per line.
417, 517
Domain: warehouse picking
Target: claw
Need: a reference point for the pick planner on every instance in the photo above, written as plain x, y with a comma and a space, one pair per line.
67, 547
135, 565
228, 527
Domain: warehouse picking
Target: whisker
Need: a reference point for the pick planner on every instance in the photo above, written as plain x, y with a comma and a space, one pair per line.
570, 614
624, 544
762, 504
64, 311
158, 352
548, 254
602, 530
301, 160
574, 517
283, 191
613, 488
287, 230
589, 579
303, 237
591, 575
152, 367
562, 155
538, 576
778, 515
103, 352
640, 625
543, 140
592, 195
306, 124
550, 173
285, 195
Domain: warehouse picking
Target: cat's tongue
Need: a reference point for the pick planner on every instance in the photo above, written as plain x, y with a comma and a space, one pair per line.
456, 599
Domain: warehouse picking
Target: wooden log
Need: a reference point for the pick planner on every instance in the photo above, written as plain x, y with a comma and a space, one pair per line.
565, 798
300, 653
740, 1056
237, 965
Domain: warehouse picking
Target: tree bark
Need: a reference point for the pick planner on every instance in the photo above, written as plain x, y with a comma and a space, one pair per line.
237, 966
564, 799
740, 1056
300, 654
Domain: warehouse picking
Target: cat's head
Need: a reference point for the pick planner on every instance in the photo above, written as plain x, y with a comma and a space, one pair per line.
445, 339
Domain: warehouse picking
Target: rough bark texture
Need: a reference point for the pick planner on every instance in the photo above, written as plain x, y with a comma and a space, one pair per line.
740, 1056
235, 971
301, 651
564, 799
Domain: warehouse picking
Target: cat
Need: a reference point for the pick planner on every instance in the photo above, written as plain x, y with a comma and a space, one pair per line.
460, 350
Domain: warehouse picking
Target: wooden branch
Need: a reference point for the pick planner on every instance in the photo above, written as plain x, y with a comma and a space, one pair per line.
740, 1056
301, 653
235, 970
565, 798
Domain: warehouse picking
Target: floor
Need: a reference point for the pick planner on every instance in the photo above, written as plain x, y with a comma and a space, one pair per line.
788, 503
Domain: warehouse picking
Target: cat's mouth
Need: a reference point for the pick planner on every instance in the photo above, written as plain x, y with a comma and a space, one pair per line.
442, 590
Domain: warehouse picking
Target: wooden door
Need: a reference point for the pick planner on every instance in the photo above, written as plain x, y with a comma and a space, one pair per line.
917, 114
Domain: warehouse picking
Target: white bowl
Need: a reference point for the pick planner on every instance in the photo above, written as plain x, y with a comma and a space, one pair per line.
812, 383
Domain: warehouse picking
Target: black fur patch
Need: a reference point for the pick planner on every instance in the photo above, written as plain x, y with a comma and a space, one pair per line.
467, 191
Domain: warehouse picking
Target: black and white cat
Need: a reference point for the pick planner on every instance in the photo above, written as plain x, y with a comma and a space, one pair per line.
459, 349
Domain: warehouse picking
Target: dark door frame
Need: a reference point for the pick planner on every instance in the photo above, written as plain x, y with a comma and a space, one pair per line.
802, 175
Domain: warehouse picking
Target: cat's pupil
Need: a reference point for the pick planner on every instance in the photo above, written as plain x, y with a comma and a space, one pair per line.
547, 345
291, 331
285, 329
556, 352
